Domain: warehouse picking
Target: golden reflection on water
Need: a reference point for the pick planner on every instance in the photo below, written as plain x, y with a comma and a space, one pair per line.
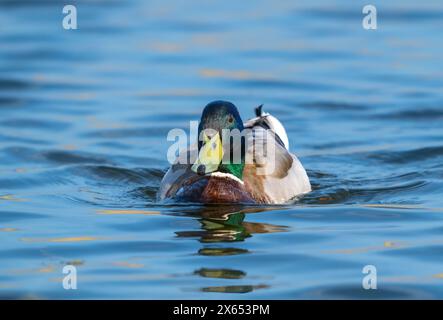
386, 245
164, 47
226, 74
8, 229
47, 269
126, 264
67, 239
77, 262
11, 197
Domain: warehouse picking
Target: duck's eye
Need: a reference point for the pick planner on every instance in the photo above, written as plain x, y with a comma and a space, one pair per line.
230, 119
205, 138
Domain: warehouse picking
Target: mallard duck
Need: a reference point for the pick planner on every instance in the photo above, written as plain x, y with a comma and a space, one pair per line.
255, 169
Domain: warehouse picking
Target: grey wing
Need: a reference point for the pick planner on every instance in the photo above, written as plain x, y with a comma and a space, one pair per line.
272, 173
176, 175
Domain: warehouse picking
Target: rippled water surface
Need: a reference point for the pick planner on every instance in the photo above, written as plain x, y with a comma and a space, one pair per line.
84, 118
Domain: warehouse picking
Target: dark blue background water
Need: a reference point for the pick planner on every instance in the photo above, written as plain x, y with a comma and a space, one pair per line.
84, 118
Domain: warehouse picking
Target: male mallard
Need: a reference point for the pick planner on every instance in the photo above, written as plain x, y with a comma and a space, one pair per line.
256, 168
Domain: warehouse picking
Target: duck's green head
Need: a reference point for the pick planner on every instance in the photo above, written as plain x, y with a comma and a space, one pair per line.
219, 122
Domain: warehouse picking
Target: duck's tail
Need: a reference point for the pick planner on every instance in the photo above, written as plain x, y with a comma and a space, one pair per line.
268, 121
259, 111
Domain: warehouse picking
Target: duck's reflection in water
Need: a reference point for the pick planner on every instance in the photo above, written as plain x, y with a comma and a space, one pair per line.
234, 289
220, 273
227, 274
226, 224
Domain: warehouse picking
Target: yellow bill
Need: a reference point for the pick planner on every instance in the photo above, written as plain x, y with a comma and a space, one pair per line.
210, 154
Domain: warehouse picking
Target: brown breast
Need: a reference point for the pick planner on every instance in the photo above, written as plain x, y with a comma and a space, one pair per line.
213, 189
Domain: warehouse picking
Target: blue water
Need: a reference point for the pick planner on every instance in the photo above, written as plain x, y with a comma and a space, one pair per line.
84, 119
